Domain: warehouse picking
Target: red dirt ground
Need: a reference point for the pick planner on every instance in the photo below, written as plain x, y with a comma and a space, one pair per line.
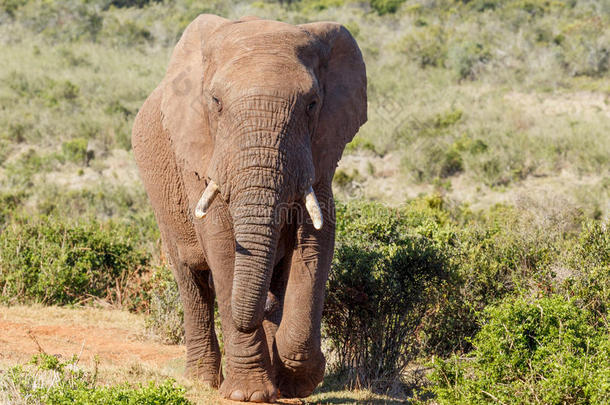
20, 340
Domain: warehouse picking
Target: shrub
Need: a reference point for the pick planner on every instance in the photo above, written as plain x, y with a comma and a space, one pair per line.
46, 260
165, 315
427, 46
10, 6
9, 201
21, 171
589, 282
132, 3
466, 58
75, 151
358, 143
584, 48
383, 282
386, 6
347, 181
541, 351
48, 380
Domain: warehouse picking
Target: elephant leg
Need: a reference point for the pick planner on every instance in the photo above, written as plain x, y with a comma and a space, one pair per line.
248, 372
197, 296
299, 362
167, 194
273, 306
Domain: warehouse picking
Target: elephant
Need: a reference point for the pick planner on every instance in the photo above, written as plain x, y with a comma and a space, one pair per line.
237, 148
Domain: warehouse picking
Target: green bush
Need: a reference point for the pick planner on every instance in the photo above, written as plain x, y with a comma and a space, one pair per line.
542, 351
466, 58
48, 380
75, 151
385, 277
427, 46
46, 260
386, 6
358, 143
20, 172
585, 49
9, 202
589, 282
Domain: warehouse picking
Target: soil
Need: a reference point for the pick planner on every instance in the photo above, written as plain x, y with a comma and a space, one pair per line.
116, 338
21, 338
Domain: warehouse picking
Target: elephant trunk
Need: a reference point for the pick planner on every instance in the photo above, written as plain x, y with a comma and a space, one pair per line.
271, 165
256, 234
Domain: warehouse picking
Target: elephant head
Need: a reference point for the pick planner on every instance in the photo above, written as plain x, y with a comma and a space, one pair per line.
260, 111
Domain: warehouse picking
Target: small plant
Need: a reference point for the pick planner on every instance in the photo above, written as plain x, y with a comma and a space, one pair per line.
428, 46
48, 380
584, 48
165, 315
76, 151
346, 180
360, 144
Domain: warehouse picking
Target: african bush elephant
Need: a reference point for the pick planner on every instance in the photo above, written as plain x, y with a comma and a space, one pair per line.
237, 143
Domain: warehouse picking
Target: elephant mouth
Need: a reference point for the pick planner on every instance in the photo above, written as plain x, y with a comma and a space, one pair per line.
309, 198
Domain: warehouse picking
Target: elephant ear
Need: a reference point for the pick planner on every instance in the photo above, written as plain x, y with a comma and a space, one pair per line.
342, 76
182, 106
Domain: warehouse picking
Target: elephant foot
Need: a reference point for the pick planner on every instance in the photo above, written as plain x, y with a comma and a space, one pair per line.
298, 376
205, 375
205, 369
249, 387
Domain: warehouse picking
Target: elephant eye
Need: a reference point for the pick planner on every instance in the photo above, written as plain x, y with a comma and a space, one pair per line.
217, 102
311, 106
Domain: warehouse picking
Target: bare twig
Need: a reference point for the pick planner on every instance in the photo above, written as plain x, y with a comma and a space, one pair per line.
31, 336
492, 397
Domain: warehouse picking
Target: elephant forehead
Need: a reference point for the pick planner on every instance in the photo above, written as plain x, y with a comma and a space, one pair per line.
260, 36
263, 54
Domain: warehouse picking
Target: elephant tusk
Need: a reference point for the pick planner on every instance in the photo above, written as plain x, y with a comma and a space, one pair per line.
313, 208
206, 199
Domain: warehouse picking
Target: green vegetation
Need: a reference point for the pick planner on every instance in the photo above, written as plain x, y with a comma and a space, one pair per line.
48, 261
546, 351
388, 272
442, 281
165, 313
50, 381
469, 99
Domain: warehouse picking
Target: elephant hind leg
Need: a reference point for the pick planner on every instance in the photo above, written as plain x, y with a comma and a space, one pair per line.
166, 190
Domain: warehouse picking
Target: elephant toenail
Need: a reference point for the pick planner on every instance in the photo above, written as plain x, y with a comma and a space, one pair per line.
258, 396
238, 395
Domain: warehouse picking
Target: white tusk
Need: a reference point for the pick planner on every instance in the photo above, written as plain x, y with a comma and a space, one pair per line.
206, 199
313, 208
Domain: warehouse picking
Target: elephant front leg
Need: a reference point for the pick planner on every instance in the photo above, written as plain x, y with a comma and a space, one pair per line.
298, 358
248, 371
202, 350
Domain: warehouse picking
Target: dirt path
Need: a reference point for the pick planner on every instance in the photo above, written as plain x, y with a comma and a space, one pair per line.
114, 337
124, 350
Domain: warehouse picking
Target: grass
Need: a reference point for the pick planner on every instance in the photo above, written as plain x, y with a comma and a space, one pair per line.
498, 111
522, 75
86, 315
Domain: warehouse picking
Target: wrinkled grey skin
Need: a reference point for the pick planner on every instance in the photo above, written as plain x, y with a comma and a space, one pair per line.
264, 110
